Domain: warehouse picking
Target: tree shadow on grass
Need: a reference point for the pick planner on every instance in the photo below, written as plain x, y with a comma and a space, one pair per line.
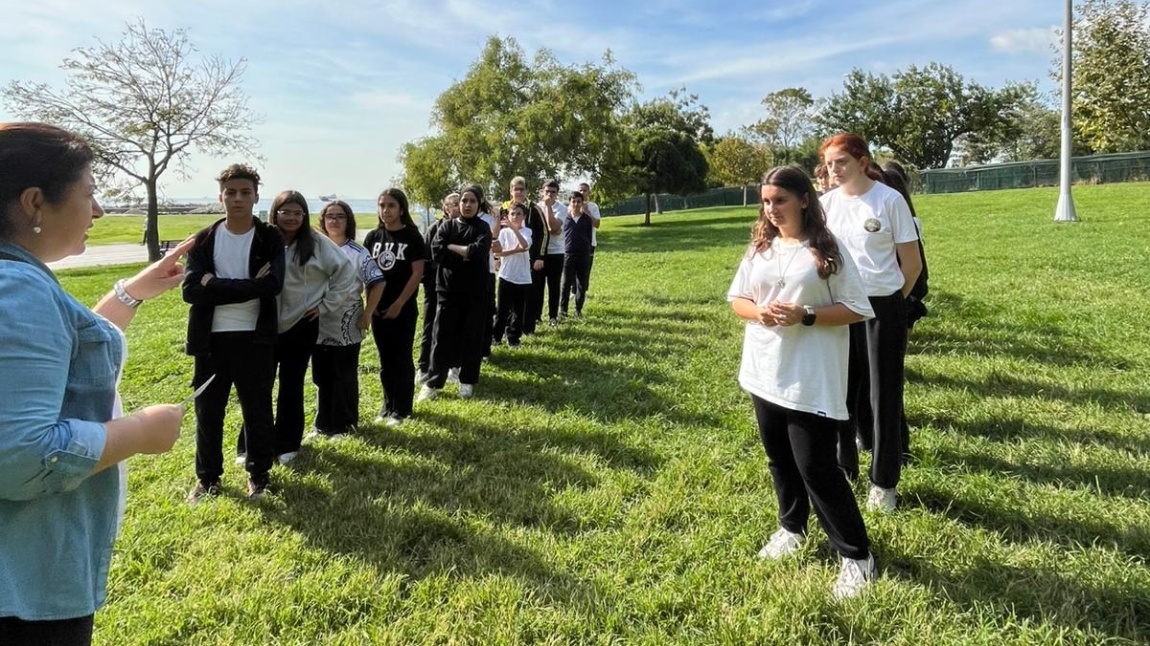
1013, 429
998, 384
1033, 595
433, 503
1018, 525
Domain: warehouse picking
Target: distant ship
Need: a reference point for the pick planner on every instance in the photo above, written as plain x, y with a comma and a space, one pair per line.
327, 198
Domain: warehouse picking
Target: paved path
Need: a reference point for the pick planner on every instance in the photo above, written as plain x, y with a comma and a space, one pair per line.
107, 254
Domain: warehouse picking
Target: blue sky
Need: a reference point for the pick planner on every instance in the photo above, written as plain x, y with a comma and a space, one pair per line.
342, 85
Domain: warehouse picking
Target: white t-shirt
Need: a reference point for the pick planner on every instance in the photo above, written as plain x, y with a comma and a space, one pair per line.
802, 368
869, 226
593, 209
231, 255
515, 268
555, 244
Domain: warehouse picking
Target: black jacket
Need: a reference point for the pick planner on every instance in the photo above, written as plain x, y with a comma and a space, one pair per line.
455, 274
267, 249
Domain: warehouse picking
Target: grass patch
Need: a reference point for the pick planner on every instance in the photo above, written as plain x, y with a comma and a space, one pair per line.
114, 229
607, 486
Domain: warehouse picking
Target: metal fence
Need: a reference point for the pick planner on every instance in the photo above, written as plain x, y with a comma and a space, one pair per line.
1092, 169
727, 196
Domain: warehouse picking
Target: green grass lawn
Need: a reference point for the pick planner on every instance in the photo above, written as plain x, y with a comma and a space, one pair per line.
130, 228
606, 486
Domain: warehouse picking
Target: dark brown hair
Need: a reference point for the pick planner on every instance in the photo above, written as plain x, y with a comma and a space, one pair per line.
304, 242
823, 245
239, 171
37, 155
404, 207
349, 227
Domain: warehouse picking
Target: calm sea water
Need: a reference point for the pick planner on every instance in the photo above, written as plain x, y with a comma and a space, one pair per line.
314, 204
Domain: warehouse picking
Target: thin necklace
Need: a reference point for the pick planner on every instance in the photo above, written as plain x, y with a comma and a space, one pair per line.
782, 281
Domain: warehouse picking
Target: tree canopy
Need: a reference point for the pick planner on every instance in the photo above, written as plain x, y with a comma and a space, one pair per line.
143, 104
788, 122
736, 161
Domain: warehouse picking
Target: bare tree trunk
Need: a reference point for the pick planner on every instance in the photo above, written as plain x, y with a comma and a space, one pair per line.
647, 218
153, 233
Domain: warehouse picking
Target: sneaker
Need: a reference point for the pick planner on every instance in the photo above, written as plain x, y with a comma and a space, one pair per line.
467, 391
783, 543
578, 314
383, 415
394, 420
427, 393
453, 376
855, 577
554, 322
286, 458
421, 377
257, 488
202, 490
881, 499
241, 459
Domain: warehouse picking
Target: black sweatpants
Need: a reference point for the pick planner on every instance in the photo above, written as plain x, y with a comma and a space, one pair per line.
553, 274
394, 338
335, 373
294, 348
234, 358
874, 391
53, 632
458, 337
801, 455
512, 308
534, 309
489, 315
430, 301
575, 268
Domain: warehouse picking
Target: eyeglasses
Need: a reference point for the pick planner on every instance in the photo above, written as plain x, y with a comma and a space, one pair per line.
334, 216
289, 214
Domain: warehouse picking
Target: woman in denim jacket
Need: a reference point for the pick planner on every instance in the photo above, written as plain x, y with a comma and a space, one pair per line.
62, 433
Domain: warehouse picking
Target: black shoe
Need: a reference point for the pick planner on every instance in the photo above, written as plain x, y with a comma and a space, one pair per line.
257, 487
202, 490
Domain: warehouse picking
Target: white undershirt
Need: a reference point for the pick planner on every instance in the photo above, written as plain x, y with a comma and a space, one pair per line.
231, 256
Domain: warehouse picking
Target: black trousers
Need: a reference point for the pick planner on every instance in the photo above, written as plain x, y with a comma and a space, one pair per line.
874, 392
489, 314
575, 268
801, 455
458, 338
430, 301
235, 358
534, 308
512, 311
294, 348
394, 339
553, 274
335, 373
57, 632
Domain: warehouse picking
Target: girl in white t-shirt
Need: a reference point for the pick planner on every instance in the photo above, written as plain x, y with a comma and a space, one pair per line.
874, 224
798, 293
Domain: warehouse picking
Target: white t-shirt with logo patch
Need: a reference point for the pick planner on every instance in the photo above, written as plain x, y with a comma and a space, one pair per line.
798, 367
869, 227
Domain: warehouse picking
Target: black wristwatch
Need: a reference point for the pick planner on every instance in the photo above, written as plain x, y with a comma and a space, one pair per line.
809, 317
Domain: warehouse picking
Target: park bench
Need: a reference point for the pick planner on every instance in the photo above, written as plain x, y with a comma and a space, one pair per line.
168, 245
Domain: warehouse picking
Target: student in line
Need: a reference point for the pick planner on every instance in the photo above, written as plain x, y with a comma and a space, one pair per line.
875, 227
461, 249
797, 292
591, 209
513, 249
450, 210
232, 279
335, 366
535, 223
554, 214
578, 227
397, 247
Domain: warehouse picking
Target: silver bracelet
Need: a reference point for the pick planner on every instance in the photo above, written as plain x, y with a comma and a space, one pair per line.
122, 294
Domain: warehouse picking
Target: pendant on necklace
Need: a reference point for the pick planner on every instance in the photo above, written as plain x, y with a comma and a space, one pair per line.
780, 283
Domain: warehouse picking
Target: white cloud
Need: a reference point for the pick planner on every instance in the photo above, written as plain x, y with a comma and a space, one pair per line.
1013, 41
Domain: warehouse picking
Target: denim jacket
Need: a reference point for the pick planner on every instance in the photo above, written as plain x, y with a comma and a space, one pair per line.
59, 364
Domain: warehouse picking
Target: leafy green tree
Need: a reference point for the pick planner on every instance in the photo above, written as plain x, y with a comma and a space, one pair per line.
143, 104
919, 113
663, 152
1030, 130
789, 121
428, 172
735, 161
1111, 85
535, 117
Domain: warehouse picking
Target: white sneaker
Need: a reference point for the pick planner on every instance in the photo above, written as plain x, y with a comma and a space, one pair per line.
394, 421
453, 376
855, 577
467, 391
783, 543
286, 458
882, 500
313, 436
421, 377
427, 393
241, 459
